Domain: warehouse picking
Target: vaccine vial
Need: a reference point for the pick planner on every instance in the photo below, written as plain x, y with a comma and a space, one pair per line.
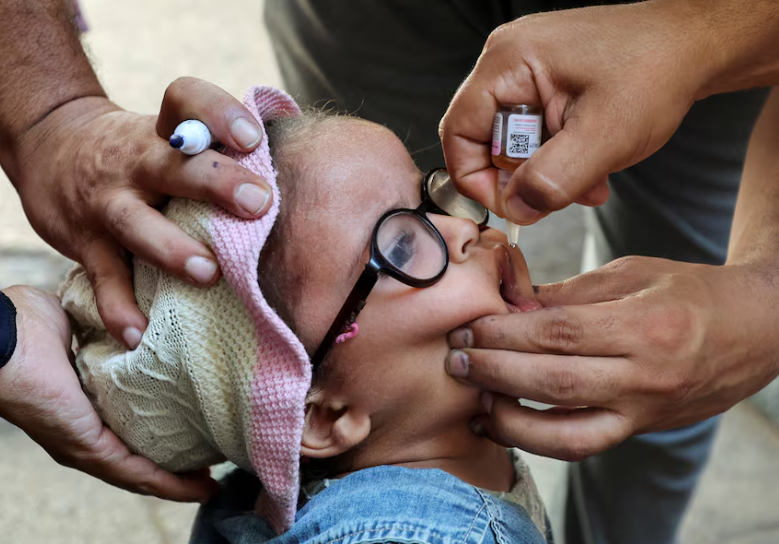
516, 135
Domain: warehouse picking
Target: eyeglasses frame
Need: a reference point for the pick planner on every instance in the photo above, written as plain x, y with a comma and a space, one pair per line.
377, 264
430, 206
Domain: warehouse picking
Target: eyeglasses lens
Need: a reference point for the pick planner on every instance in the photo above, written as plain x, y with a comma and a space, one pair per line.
411, 246
443, 193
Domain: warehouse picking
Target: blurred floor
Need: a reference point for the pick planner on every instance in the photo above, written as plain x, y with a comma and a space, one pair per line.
140, 47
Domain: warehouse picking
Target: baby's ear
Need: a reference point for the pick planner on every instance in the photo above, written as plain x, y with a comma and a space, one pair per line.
332, 426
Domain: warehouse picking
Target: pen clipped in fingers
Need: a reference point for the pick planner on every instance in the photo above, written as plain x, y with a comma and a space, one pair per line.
226, 118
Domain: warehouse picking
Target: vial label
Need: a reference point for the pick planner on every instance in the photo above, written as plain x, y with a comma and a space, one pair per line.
523, 135
497, 131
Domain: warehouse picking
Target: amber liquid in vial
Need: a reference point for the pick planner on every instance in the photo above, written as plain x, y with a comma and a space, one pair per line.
516, 135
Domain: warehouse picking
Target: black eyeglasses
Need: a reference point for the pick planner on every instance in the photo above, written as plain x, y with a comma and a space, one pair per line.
405, 245
440, 196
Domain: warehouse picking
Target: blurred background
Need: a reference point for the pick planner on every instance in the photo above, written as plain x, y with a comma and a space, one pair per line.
137, 49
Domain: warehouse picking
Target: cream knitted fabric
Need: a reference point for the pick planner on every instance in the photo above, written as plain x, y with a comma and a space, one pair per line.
218, 375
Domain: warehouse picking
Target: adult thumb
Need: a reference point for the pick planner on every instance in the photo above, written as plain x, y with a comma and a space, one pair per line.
572, 166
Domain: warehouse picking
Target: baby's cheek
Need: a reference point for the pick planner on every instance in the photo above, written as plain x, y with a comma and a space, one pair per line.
397, 315
467, 297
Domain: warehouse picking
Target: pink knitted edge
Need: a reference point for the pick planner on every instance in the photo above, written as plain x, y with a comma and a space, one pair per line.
282, 373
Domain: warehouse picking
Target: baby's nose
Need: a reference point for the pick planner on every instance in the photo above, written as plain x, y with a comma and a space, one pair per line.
460, 235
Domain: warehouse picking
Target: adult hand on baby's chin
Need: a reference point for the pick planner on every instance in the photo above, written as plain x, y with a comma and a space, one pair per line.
645, 344
40, 393
608, 102
92, 176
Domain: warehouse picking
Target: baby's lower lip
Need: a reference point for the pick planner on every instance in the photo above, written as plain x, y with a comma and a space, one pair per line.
509, 291
524, 305
508, 282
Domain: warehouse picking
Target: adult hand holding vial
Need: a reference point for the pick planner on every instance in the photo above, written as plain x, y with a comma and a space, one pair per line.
516, 135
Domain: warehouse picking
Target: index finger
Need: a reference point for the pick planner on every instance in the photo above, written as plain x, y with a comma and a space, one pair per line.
224, 115
551, 379
466, 128
569, 330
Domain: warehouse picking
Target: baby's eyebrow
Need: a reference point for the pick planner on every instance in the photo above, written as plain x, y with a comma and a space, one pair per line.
359, 261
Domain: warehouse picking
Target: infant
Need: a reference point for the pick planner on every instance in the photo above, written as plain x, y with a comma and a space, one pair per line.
224, 372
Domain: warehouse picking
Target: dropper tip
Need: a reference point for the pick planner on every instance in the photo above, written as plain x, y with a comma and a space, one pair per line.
512, 233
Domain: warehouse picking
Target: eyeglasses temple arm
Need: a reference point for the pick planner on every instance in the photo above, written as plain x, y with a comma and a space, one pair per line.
347, 315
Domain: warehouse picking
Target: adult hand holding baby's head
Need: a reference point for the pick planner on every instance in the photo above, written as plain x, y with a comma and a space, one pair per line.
92, 178
41, 393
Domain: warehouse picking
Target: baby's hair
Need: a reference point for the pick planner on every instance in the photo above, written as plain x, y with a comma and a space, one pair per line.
287, 138
281, 279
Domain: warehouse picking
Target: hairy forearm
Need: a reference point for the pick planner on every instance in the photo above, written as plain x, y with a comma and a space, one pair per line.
43, 66
736, 40
754, 239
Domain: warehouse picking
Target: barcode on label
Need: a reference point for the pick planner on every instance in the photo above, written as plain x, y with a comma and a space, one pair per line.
518, 143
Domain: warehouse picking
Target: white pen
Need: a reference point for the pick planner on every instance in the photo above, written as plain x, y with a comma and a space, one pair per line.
191, 137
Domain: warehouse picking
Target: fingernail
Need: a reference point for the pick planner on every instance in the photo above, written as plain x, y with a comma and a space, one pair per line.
461, 338
520, 212
245, 133
132, 337
486, 401
457, 363
200, 269
252, 198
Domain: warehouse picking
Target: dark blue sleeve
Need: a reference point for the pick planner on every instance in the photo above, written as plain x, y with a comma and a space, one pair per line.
7, 329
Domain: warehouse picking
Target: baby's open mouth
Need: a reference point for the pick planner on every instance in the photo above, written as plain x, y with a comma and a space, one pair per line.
509, 286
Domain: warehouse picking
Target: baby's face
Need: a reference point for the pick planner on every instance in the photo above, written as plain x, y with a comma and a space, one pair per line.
395, 366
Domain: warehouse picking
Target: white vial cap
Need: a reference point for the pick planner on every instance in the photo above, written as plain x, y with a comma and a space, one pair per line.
193, 137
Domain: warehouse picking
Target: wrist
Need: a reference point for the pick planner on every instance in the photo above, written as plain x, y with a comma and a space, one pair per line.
43, 64
734, 44
8, 331
749, 310
677, 46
